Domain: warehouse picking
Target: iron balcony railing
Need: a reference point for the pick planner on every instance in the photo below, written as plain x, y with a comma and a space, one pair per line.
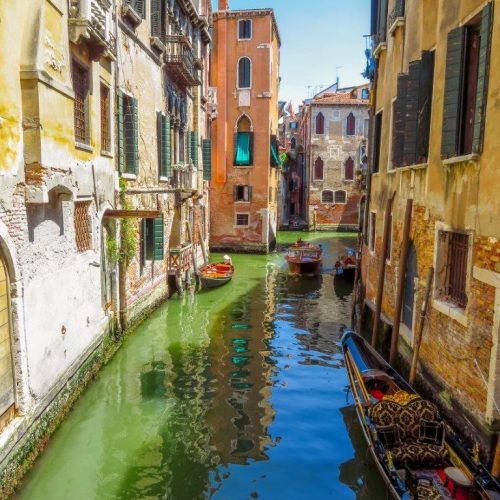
397, 12
180, 60
378, 39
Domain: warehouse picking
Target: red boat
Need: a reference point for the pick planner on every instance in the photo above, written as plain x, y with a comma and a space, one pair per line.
304, 258
214, 275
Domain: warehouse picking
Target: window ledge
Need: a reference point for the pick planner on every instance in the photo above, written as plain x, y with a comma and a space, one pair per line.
398, 22
379, 49
84, 147
243, 166
450, 310
108, 154
157, 44
240, 227
473, 157
127, 175
164, 179
416, 166
243, 202
130, 13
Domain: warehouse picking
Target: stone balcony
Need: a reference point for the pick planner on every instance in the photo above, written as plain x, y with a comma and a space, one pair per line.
180, 61
90, 22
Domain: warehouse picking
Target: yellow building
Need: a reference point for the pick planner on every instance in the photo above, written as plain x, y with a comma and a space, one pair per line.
435, 124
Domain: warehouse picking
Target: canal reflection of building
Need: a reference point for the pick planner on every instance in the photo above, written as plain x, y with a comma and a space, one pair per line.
241, 411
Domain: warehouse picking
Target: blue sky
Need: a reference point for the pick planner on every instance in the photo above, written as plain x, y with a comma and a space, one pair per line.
320, 38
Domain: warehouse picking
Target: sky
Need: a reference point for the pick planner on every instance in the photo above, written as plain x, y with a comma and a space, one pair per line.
320, 40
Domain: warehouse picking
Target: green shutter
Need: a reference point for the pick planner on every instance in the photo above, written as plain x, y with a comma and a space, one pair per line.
155, 18
398, 122
424, 106
452, 107
195, 149
158, 238
131, 132
275, 161
207, 159
412, 93
482, 81
120, 132
145, 254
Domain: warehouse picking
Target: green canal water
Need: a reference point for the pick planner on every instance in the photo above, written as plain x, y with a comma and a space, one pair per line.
234, 393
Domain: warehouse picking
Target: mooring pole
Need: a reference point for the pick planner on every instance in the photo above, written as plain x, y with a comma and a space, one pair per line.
381, 270
202, 243
401, 281
420, 329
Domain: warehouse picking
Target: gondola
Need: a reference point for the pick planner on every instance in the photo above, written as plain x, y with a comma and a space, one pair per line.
346, 264
304, 258
416, 453
214, 275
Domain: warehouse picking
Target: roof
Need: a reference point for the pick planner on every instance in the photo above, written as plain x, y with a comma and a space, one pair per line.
250, 13
343, 97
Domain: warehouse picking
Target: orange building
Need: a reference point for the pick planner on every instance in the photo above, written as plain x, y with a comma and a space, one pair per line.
245, 71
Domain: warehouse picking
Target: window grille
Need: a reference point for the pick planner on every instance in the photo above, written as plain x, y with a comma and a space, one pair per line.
340, 197
105, 123
83, 232
242, 219
81, 103
456, 275
327, 197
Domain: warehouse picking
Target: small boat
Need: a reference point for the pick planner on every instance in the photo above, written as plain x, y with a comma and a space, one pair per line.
304, 258
416, 453
346, 263
214, 275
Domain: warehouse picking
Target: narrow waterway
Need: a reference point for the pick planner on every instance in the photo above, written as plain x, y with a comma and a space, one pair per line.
234, 393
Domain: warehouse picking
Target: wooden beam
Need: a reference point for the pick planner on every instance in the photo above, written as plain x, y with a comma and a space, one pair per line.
141, 214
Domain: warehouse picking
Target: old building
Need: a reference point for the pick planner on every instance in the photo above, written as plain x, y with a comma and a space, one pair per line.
245, 152
435, 118
163, 93
333, 135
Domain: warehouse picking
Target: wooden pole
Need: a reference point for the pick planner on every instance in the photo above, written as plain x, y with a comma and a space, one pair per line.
381, 270
401, 281
194, 255
203, 248
357, 274
420, 329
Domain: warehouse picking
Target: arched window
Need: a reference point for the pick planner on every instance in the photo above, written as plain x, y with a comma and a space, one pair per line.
349, 169
320, 123
327, 196
340, 197
351, 125
318, 169
244, 73
243, 144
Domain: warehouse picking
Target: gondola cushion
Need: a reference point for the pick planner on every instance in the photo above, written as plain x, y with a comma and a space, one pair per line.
415, 454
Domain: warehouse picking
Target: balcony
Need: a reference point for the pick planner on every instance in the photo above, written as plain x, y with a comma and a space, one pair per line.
180, 61
379, 42
90, 22
397, 16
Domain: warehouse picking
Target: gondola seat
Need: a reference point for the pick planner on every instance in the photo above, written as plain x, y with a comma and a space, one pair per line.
410, 451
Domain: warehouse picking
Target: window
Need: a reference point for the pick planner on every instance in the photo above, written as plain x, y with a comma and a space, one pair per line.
128, 134
388, 254
349, 169
152, 239
293, 143
242, 219
105, 122
243, 143
377, 136
366, 127
83, 228
318, 169
293, 125
452, 266
327, 196
244, 73
372, 229
365, 94
245, 29
351, 125
81, 104
340, 197
139, 7
206, 149
159, 19
164, 146
242, 193
320, 124
466, 86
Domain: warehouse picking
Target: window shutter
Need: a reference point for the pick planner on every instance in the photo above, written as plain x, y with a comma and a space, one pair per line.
482, 81
146, 255
135, 143
250, 147
158, 238
207, 159
194, 148
452, 107
411, 121
249, 193
159, 130
398, 122
140, 8
241, 29
424, 106
382, 20
168, 148
120, 132
235, 193
235, 147
155, 18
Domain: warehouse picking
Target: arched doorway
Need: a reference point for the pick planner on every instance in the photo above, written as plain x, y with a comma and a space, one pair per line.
7, 387
409, 287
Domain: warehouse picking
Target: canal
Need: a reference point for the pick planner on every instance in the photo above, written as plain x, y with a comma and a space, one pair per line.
235, 393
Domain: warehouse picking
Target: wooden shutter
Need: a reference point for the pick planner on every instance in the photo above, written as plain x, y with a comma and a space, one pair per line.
207, 159
411, 118
424, 106
398, 122
194, 148
156, 18
235, 147
482, 81
146, 249
167, 146
235, 193
382, 20
249, 193
452, 107
139, 7
250, 147
241, 29
120, 131
163, 144
158, 237
135, 144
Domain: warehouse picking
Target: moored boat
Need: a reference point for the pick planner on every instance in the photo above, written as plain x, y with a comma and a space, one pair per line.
415, 451
214, 275
304, 258
346, 263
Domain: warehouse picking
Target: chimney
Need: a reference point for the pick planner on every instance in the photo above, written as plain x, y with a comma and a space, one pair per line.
223, 4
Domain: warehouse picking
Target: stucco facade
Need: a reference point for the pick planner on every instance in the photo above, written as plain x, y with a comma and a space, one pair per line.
242, 218
454, 227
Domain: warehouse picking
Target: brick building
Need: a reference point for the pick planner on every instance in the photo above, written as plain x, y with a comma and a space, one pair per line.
333, 135
435, 118
245, 151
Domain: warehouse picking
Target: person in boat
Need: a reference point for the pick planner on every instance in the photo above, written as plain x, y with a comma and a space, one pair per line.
228, 260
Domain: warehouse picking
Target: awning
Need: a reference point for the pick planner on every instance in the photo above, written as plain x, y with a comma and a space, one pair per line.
242, 148
274, 156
